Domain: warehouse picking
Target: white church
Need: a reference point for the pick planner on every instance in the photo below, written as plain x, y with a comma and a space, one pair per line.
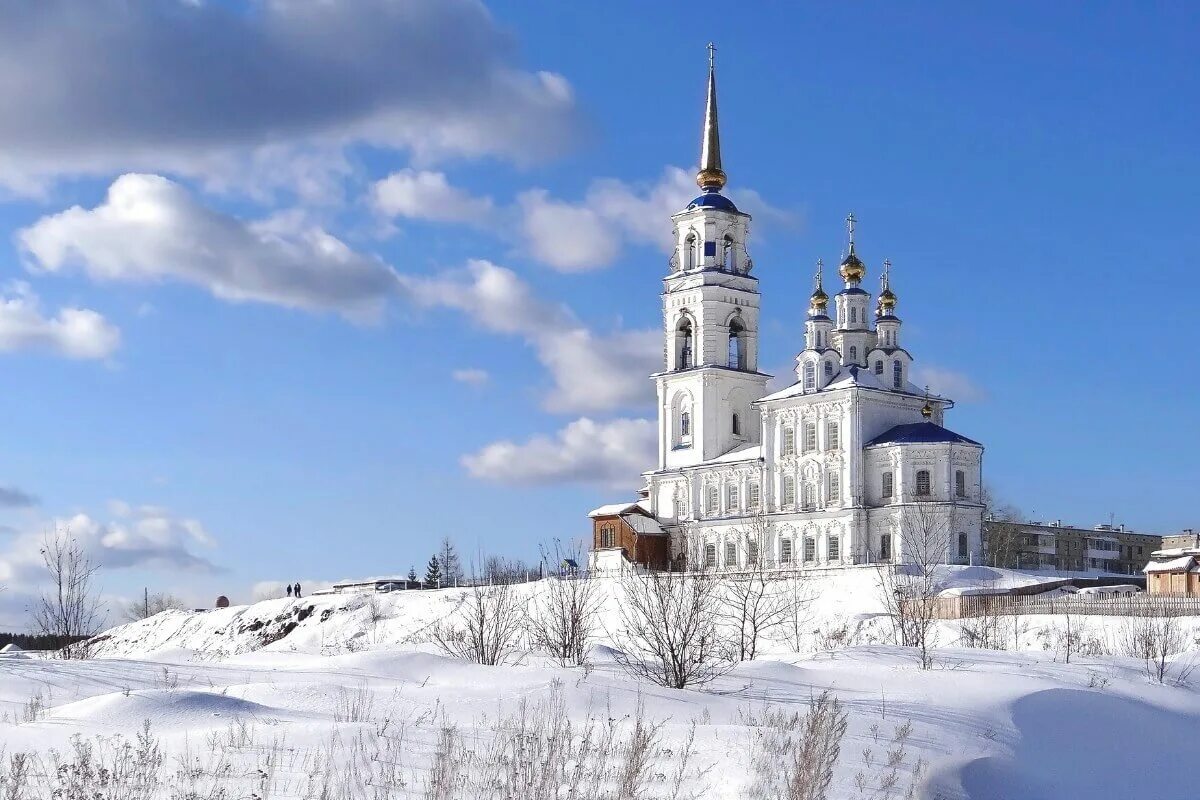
816, 474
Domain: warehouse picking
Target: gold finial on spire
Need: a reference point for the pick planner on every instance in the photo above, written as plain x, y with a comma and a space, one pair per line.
852, 269
927, 409
711, 177
819, 299
887, 298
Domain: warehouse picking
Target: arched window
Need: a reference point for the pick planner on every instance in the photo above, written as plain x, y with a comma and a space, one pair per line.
710, 555
684, 344
737, 425
922, 483
681, 412
608, 537
689, 252
828, 369
897, 374
853, 353
737, 345
727, 254
810, 376
833, 548
808, 495
962, 548
752, 552
730, 554
879, 366
885, 547
685, 424
810, 549
854, 313
785, 551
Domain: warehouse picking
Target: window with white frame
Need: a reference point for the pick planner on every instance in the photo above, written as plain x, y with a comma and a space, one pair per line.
788, 495
810, 549
752, 551
608, 536
808, 495
922, 483
960, 483
680, 507
732, 492
789, 441
886, 488
810, 376
897, 374
835, 487
753, 495
828, 369
854, 313
878, 366
712, 500
833, 547
730, 554
785, 551
810, 437
710, 555
832, 436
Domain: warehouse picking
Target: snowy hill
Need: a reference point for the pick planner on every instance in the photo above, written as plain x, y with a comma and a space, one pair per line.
343, 695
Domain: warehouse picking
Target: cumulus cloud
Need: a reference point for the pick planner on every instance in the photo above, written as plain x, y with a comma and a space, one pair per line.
72, 332
151, 229
590, 371
948, 383
611, 454
144, 536
567, 237
471, 376
12, 497
429, 196
233, 95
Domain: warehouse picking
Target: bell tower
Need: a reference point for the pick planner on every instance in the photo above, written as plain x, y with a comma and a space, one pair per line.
710, 320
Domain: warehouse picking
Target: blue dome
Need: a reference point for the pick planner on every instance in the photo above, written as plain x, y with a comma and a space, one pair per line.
712, 200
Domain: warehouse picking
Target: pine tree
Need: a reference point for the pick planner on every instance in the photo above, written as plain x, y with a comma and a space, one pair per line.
448, 557
412, 574
433, 573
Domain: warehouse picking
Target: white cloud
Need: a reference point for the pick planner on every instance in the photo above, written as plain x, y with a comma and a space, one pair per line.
471, 376
590, 372
73, 332
590, 234
612, 454
429, 196
150, 229
296, 83
948, 383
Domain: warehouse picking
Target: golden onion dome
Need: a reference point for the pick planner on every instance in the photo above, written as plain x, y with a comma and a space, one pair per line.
819, 299
852, 268
927, 411
887, 299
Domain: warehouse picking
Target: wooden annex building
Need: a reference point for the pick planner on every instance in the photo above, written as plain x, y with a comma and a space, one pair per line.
1175, 571
628, 532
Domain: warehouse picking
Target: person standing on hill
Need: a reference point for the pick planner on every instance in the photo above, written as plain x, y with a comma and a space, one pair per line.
289, 588
297, 588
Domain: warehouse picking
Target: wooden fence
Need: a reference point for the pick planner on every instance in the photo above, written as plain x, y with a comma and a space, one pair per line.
1138, 605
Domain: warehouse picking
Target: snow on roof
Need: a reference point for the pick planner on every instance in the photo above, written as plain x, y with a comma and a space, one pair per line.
919, 433
847, 376
616, 509
744, 453
635, 514
643, 524
1182, 564
1176, 551
11, 647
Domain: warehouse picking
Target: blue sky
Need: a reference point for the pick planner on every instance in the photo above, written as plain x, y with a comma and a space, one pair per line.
291, 292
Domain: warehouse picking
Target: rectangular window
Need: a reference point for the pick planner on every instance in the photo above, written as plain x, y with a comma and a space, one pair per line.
833, 546
714, 500
810, 436
785, 551
810, 549
608, 537
835, 487
789, 441
960, 483
730, 554
733, 497
885, 547
831, 436
754, 495
710, 248
710, 555
789, 491
752, 551
680, 508
922, 483
887, 485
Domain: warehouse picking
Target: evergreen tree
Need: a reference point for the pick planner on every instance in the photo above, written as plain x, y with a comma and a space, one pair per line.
412, 574
433, 573
448, 557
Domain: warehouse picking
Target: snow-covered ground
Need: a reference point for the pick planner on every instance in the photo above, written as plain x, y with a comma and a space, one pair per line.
282, 697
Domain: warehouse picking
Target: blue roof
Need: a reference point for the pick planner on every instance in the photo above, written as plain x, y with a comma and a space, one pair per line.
853, 290
712, 200
919, 433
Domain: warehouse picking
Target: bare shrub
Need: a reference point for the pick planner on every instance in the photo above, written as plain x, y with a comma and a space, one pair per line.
489, 626
150, 604
564, 618
69, 610
1154, 640
910, 589
669, 629
792, 756
354, 706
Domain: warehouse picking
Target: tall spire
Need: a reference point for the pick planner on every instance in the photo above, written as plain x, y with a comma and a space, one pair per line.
711, 177
819, 300
852, 267
887, 298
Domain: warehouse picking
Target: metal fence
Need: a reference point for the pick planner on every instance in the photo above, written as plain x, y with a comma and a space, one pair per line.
1138, 605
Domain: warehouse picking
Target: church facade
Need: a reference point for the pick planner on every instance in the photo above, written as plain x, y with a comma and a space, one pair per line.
824, 472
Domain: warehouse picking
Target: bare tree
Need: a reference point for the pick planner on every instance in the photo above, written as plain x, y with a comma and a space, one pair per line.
1155, 639
1003, 531
488, 628
497, 569
755, 600
69, 610
448, 559
669, 628
150, 604
910, 588
563, 621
